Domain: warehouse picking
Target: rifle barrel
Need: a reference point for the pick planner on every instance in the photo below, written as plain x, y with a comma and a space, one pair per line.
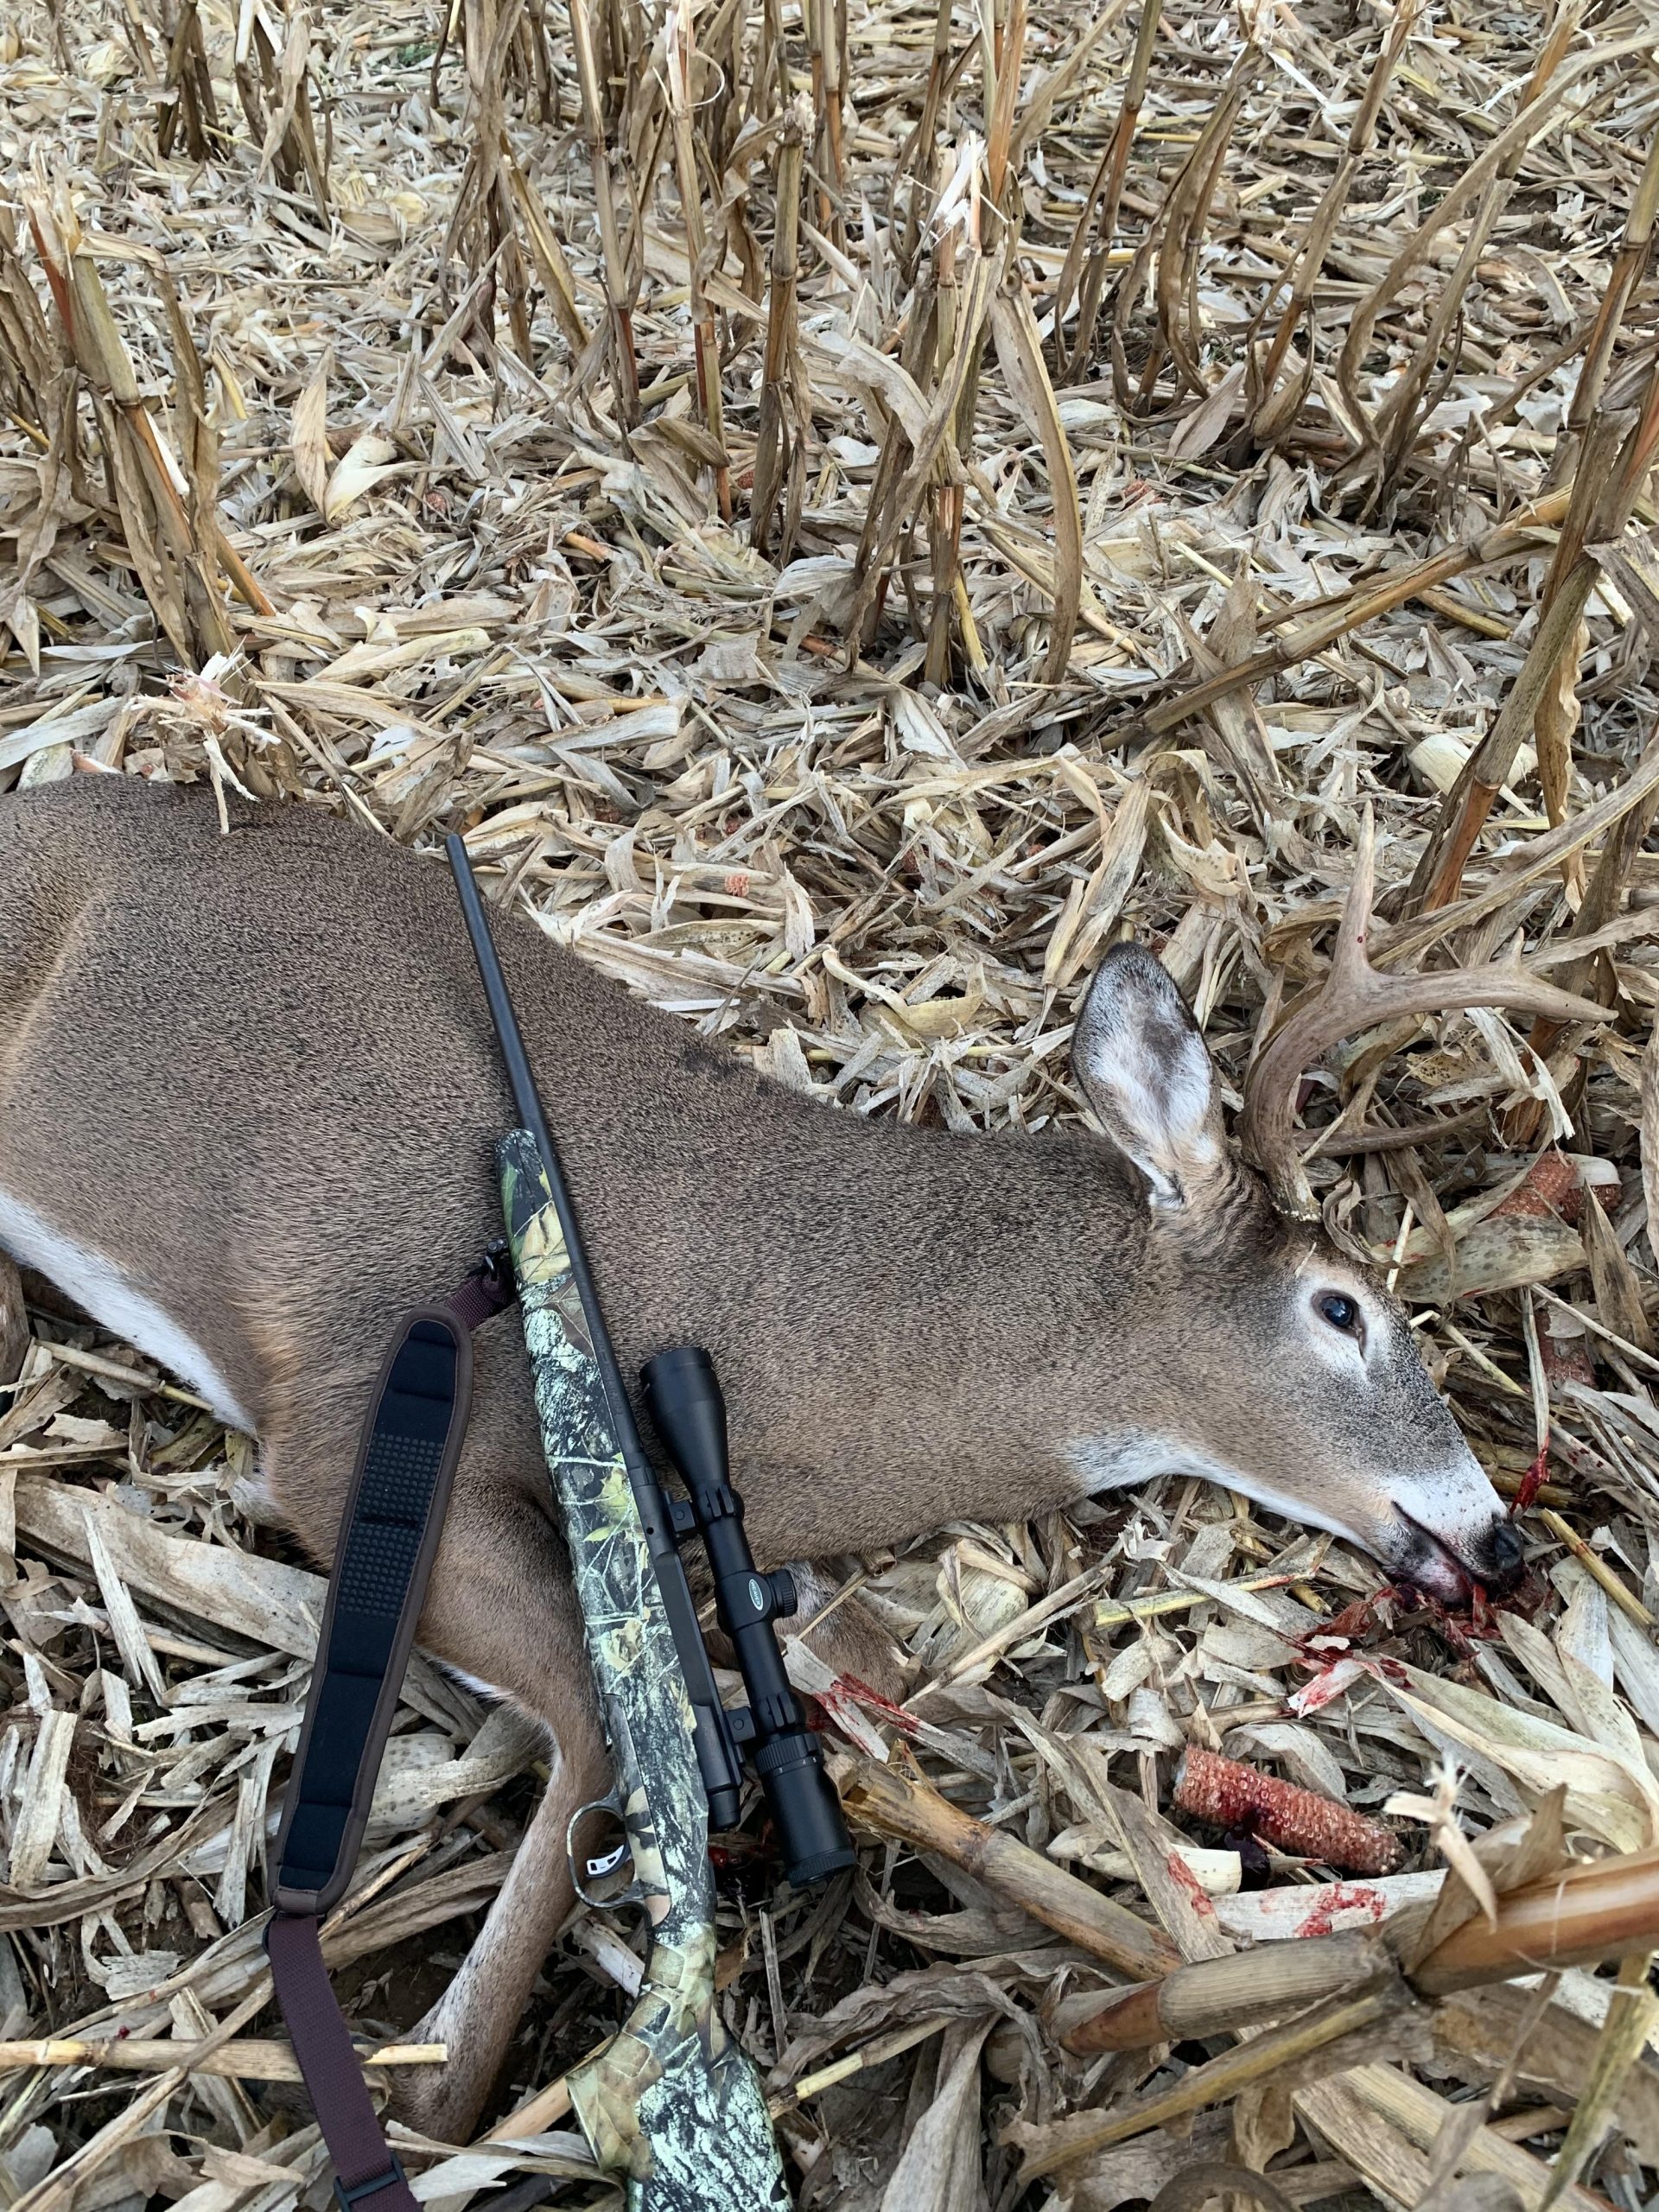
527, 1106
524, 1097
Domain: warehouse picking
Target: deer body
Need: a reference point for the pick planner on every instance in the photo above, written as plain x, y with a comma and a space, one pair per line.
248, 1097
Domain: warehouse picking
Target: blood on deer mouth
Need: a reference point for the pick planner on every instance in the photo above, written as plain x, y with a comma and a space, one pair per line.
1497, 1573
1433, 1567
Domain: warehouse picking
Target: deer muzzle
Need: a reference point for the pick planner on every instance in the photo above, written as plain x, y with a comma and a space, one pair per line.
1447, 1564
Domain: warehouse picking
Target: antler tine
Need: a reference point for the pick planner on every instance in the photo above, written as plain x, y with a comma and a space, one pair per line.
1353, 997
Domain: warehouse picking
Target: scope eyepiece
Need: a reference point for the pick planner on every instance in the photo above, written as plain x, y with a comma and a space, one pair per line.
684, 1395
805, 1810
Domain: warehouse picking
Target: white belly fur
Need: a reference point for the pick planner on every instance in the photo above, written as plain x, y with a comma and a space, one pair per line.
96, 1285
97, 1288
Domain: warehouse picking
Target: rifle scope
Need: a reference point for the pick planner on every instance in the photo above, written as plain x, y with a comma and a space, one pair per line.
683, 1394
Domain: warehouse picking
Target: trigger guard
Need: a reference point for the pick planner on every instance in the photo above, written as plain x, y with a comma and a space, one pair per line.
613, 1805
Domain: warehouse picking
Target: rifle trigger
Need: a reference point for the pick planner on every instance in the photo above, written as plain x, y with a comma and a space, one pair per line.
585, 1869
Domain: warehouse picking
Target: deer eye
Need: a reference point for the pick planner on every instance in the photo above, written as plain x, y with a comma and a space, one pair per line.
1339, 1310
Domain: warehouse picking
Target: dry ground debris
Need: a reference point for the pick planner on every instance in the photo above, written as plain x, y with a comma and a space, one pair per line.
852, 507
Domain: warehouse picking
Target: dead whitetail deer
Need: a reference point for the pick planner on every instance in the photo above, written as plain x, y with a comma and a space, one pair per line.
248, 1094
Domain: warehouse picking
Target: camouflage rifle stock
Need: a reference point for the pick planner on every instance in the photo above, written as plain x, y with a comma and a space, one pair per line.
673, 2104
670, 2102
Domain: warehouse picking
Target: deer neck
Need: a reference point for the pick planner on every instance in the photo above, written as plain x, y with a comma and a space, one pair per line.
902, 1318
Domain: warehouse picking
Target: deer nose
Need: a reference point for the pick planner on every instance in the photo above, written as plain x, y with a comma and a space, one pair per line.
1505, 1556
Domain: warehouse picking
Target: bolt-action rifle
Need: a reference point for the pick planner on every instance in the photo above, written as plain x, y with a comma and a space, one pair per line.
671, 2103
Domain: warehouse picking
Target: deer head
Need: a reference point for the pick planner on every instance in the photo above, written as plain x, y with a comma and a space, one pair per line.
1274, 1362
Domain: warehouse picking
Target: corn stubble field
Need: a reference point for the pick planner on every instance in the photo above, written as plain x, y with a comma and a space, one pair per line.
852, 507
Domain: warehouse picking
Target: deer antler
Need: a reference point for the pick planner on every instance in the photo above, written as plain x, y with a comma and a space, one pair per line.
1355, 996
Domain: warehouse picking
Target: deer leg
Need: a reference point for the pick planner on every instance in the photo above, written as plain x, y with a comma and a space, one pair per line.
479, 2014
850, 1638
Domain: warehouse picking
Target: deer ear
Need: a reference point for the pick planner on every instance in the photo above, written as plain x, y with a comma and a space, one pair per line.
1146, 1071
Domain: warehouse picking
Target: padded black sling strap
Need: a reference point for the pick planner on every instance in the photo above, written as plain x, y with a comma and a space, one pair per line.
388, 1538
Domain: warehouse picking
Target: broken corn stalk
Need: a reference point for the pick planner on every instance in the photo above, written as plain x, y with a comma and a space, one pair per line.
895, 1801
1601, 1910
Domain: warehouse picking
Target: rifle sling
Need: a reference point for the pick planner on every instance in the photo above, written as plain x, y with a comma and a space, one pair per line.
388, 1538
